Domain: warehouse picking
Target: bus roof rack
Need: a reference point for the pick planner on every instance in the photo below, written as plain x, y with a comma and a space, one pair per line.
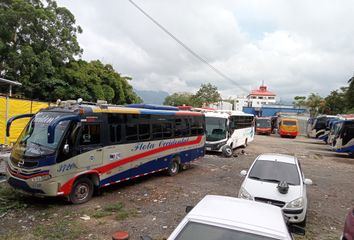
153, 107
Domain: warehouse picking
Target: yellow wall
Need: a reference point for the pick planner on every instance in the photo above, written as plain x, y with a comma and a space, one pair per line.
16, 107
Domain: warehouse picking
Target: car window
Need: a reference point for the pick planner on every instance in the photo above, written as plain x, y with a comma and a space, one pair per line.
199, 231
275, 171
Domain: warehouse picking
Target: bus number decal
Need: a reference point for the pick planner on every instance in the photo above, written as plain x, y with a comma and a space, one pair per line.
66, 167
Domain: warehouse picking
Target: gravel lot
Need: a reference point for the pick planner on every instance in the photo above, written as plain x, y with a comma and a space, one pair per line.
155, 204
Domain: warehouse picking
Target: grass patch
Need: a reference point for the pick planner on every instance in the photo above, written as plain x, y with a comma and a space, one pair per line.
10, 199
11, 236
122, 215
62, 229
101, 214
116, 209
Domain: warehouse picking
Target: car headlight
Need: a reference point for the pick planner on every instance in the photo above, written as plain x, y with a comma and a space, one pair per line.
297, 203
41, 178
244, 194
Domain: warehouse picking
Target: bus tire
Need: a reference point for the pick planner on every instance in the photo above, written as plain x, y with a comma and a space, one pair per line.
81, 191
227, 151
173, 167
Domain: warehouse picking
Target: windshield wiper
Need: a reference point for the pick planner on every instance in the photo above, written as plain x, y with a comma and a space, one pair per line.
254, 177
264, 179
270, 180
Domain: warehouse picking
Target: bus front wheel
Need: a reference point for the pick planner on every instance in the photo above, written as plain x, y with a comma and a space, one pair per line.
173, 168
227, 151
82, 191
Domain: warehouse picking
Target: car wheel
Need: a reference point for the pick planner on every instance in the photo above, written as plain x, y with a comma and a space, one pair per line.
227, 151
82, 191
173, 168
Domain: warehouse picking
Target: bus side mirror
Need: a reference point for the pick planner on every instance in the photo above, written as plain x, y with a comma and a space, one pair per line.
66, 148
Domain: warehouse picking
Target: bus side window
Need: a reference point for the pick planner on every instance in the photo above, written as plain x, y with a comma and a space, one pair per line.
90, 134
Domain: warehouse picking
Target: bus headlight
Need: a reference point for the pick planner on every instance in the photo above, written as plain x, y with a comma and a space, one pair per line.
41, 178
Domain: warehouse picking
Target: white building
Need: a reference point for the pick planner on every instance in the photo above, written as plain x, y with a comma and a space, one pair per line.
222, 105
240, 102
259, 97
256, 98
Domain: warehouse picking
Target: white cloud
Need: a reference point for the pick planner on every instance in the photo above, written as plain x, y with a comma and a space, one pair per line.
296, 47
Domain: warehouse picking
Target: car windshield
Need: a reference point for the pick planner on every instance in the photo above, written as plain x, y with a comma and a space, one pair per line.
34, 138
199, 231
275, 171
216, 128
263, 123
289, 123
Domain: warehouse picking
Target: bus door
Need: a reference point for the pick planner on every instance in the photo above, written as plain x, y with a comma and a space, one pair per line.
90, 147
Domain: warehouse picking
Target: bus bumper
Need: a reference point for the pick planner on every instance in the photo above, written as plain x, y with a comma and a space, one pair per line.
291, 134
44, 188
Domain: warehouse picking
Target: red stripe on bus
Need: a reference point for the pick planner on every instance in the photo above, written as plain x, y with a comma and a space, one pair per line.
66, 187
123, 161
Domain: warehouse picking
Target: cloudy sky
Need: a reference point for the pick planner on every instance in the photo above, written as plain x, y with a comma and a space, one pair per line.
296, 47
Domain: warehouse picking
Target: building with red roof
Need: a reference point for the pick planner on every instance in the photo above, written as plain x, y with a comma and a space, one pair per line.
259, 97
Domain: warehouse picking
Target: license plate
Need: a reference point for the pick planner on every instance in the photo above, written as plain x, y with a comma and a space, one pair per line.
208, 148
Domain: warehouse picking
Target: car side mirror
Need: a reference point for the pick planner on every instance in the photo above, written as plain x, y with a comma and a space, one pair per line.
189, 208
66, 148
296, 230
308, 181
243, 173
145, 238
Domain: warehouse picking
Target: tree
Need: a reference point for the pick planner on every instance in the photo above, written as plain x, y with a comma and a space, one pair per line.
315, 103
93, 81
335, 102
39, 48
349, 96
207, 94
35, 39
299, 101
178, 99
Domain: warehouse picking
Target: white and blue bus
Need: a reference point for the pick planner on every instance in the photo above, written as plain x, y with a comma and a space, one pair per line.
73, 149
227, 130
344, 138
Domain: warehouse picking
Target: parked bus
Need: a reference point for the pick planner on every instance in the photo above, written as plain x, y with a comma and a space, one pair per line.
333, 131
344, 139
227, 130
288, 127
319, 126
73, 149
264, 125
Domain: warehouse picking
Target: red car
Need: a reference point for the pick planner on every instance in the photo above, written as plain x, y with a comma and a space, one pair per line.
348, 232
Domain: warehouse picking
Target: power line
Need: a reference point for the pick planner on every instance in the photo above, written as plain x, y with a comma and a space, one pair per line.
220, 73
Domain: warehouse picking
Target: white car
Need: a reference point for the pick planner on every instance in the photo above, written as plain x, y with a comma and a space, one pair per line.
219, 217
277, 179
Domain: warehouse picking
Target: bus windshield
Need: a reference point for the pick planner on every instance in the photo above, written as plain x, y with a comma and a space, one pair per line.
215, 128
263, 123
289, 123
33, 140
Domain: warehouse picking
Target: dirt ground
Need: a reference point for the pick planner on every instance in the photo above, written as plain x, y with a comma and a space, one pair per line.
155, 204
